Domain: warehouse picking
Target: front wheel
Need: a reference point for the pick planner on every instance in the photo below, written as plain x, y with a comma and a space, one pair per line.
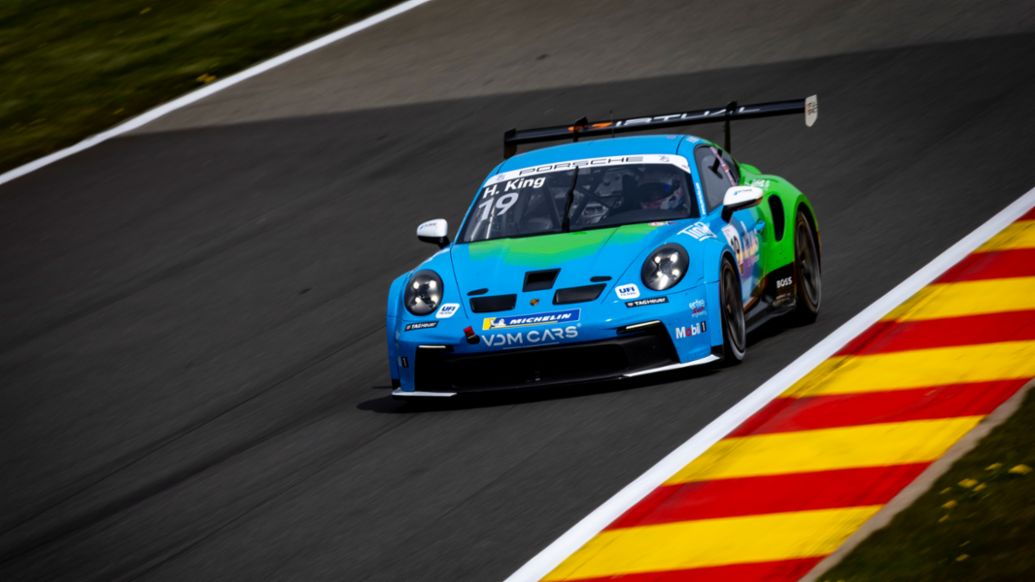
807, 276
734, 330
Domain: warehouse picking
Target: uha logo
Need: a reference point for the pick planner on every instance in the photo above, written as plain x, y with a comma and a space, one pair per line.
630, 291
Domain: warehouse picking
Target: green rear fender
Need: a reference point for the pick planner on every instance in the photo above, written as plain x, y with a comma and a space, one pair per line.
779, 208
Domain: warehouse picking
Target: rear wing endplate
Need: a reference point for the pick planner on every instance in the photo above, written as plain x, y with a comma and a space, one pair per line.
731, 112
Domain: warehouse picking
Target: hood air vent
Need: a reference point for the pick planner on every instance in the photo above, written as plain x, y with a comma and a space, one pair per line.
493, 303
577, 294
539, 280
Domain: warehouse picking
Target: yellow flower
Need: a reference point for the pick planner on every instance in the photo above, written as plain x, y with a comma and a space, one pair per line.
980, 487
961, 557
994, 467
943, 519
950, 504
1019, 470
968, 483
206, 78
945, 491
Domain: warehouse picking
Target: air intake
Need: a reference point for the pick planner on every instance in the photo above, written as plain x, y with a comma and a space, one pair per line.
539, 280
577, 294
493, 303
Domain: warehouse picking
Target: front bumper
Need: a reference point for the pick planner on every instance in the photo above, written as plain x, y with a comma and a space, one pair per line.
637, 350
611, 341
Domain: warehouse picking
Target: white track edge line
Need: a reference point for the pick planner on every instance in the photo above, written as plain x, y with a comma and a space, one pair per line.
550, 557
199, 94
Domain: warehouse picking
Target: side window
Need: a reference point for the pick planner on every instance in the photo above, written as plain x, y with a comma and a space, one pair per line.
731, 166
715, 175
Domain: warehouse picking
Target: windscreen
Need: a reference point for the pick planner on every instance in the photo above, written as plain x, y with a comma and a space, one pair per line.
588, 196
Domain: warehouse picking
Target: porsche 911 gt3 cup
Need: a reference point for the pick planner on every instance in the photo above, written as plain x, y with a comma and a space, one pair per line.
606, 259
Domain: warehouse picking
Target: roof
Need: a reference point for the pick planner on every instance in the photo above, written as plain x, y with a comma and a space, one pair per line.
617, 146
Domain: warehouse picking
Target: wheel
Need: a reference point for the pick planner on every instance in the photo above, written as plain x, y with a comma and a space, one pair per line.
807, 276
734, 332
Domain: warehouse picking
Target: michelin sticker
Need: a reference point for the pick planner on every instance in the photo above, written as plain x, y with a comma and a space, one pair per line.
532, 319
447, 310
625, 292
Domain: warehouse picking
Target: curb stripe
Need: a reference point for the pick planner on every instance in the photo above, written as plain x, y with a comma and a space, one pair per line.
770, 494
891, 336
1019, 235
942, 300
788, 414
776, 570
992, 265
825, 449
714, 542
919, 368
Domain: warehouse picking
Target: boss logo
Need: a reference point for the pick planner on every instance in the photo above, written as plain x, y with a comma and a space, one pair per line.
785, 282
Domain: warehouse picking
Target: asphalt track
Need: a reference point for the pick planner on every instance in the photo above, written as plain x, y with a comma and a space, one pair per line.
192, 375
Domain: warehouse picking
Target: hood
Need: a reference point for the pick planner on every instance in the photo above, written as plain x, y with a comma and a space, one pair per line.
500, 265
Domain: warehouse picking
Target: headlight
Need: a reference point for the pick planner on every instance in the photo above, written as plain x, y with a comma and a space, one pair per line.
423, 292
665, 267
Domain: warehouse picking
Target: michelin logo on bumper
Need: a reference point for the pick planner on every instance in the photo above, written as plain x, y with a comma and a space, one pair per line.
532, 319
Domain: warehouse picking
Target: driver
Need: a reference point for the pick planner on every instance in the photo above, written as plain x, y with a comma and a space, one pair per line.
661, 195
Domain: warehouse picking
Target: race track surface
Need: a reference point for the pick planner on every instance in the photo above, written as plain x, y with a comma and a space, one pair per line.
192, 372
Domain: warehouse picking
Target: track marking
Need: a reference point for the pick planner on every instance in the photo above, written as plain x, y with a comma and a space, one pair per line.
1020, 235
919, 368
713, 542
826, 449
942, 300
199, 94
578, 535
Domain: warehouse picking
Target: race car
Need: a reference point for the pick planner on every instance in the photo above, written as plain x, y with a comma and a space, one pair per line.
606, 259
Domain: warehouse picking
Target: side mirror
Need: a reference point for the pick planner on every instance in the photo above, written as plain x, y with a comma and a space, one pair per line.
740, 197
434, 231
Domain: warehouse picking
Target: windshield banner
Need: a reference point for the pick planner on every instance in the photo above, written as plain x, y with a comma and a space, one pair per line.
678, 161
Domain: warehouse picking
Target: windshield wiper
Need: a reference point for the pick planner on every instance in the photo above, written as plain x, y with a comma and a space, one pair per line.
569, 199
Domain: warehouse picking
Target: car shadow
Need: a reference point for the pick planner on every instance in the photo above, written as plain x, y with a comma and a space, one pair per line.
388, 404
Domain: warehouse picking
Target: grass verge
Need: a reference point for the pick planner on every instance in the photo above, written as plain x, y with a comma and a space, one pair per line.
70, 69
977, 522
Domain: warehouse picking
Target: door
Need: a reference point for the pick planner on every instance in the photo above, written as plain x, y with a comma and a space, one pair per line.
718, 172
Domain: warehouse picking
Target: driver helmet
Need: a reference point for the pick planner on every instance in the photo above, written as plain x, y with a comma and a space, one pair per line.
660, 195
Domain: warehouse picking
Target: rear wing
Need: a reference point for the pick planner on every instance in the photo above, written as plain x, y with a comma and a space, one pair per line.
731, 112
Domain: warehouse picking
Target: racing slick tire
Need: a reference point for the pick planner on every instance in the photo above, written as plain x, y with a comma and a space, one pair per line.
734, 329
807, 274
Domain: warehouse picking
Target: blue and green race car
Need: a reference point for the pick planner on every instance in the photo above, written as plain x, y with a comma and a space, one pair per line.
606, 259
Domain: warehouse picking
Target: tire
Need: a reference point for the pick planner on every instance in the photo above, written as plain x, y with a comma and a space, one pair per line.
808, 278
734, 330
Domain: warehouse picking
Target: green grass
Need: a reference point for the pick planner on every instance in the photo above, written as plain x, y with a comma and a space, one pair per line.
73, 68
976, 523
